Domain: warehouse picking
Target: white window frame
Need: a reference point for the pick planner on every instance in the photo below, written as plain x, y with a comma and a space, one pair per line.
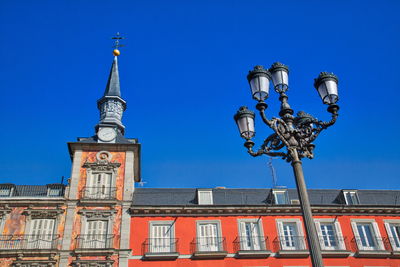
300, 244
256, 244
213, 245
275, 192
338, 233
202, 200
392, 238
352, 194
162, 244
375, 232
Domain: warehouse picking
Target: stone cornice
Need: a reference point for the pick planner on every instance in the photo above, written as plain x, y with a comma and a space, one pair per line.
38, 202
144, 211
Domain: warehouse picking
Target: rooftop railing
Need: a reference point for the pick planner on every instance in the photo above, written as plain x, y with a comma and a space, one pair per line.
31, 191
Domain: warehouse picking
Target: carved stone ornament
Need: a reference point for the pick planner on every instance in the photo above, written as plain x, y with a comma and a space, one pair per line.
103, 162
97, 214
92, 263
43, 213
4, 211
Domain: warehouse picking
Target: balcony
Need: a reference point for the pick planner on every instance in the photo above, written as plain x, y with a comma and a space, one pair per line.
94, 244
395, 247
371, 247
98, 194
334, 246
28, 244
251, 247
160, 249
209, 248
291, 247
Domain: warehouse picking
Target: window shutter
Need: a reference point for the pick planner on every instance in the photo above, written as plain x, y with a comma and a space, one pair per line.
391, 237
378, 236
356, 235
300, 235
243, 235
339, 235
320, 235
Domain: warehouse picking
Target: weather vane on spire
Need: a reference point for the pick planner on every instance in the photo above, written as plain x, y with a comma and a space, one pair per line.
117, 45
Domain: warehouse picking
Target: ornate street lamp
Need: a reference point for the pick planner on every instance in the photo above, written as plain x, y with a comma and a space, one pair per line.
293, 135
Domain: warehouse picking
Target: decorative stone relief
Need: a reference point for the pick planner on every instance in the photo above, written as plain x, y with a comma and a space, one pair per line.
103, 162
97, 214
43, 213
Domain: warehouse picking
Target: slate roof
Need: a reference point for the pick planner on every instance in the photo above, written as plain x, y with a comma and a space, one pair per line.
254, 197
113, 86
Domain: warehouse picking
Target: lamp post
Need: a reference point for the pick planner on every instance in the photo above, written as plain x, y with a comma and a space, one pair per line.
293, 135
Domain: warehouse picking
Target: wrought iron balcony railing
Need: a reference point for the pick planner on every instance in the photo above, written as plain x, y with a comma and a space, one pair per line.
290, 243
28, 242
334, 242
208, 244
99, 193
160, 245
394, 243
94, 241
255, 243
370, 243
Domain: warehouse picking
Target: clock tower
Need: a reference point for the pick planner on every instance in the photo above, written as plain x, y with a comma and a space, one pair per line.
111, 107
105, 168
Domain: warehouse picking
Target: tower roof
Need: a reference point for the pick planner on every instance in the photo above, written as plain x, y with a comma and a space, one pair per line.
113, 87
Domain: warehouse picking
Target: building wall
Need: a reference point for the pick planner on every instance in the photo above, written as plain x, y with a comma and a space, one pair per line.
185, 231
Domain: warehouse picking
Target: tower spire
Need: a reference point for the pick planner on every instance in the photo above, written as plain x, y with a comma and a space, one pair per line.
111, 105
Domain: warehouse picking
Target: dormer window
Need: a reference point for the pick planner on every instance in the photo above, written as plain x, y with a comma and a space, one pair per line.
204, 196
281, 196
351, 198
6, 190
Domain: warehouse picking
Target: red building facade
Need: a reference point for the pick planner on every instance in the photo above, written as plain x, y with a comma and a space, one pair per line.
242, 227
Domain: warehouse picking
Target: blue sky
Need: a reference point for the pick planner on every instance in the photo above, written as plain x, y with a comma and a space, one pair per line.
183, 73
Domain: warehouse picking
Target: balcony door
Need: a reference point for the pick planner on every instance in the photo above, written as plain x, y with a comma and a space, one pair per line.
367, 240
208, 237
291, 237
250, 236
99, 186
161, 238
41, 234
96, 236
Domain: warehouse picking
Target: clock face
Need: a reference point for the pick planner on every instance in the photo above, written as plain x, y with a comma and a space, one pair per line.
106, 134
